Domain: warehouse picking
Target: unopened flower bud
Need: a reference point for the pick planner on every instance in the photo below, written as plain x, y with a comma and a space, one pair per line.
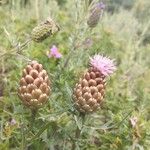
95, 14
44, 30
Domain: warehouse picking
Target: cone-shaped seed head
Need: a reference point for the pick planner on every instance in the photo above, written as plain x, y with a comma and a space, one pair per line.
95, 14
89, 92
44, 30
34, 86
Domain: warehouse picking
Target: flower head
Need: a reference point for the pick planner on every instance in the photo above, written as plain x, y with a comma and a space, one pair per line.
133, 121
13, 122
44, 30
101, 5
87, 43
54, 52
95, 14
103, 64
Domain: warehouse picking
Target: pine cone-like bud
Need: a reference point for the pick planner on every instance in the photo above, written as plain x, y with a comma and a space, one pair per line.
95, 15
44, 30
34, 86
89, 92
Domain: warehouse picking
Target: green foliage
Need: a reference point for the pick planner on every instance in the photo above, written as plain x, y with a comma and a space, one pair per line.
123, 35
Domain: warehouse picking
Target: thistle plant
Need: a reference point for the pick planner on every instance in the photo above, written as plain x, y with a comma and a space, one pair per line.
34, 88
89, 92
57, 92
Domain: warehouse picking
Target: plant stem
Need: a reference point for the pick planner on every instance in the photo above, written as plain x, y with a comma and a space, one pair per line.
68, 58
78, 131
77, 135
33, 115
23, 142
23, 134
37, 9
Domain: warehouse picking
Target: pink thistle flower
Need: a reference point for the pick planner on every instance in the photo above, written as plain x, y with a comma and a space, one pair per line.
54, 52
103, 64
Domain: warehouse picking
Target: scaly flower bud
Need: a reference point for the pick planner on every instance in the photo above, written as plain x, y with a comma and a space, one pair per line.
34, 86
95, 14
44, 30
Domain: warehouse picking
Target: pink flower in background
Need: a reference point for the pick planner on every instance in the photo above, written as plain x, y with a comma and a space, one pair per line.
101, 5
13, 122
87, 43
133, 121
54, 52
103, 64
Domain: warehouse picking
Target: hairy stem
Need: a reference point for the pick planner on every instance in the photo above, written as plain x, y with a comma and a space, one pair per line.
78, 131
33, 115
37, 9
68, 58
23, 134
23, 141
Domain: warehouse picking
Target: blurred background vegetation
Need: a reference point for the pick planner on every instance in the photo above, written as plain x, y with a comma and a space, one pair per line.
123, 34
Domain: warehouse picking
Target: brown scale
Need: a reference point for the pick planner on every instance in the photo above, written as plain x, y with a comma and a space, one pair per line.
89, 92
34, 86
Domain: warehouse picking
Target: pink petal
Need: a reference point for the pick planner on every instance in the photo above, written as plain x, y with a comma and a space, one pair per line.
58, 55
54, 52
103, 64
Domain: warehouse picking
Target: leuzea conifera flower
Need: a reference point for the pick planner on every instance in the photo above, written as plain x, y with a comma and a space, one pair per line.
90, 90
95, 14
34, 86
44, 30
